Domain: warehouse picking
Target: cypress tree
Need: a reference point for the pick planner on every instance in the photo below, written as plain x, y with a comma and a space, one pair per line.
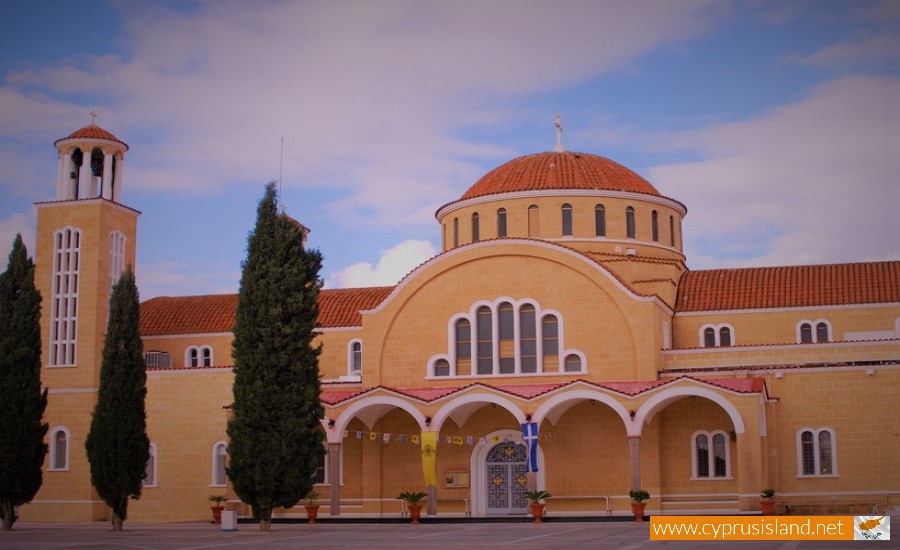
275, 436
117, 445
22, 403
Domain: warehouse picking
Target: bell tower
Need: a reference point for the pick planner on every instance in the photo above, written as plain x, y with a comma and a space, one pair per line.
85, 238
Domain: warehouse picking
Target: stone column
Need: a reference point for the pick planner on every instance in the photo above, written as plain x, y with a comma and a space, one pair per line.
107, 180
84, 176
119, 168
634, 461
334, 474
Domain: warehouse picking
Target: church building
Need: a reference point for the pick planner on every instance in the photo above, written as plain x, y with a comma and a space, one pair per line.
558, 341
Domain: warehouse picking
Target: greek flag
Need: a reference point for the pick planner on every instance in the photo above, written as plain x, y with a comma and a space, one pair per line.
530, 435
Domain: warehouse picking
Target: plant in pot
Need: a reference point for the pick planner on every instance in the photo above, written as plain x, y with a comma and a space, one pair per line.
768, 502
312, 507
413, 503
217, 507
537, 507
638, 496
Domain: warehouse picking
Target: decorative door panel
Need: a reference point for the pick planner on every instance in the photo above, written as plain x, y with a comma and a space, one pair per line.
506, 478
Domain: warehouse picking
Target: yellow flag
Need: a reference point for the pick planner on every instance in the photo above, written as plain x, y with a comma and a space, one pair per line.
429, 457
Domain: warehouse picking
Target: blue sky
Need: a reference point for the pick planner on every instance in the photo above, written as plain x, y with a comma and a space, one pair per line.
776, 123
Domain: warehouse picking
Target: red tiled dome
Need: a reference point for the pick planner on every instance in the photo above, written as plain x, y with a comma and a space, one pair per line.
559, 170
92, 131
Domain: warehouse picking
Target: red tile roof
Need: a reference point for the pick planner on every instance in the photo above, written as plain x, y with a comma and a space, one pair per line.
92, 131
559, 170
216, 313
789, 286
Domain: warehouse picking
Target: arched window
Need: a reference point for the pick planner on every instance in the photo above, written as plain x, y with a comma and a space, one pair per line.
573, 363
818, 331
528, 338
150, 471
724, 337
711, 455
198, 356
534, 221
219, 458
455, 232
654, 226
507, 338
116, 258
600, 220
567, 220
476, 229
671, 230
501, 223
485, 341
441, 367
463, 333
713, 336
64, 296
629, 223
550, 342
355, 359
709, 337
816, 452
59, 449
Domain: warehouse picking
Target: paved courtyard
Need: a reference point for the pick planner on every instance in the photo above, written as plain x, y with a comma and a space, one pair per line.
196, 536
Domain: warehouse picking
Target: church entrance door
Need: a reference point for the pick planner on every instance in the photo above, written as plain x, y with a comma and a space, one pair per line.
506, 479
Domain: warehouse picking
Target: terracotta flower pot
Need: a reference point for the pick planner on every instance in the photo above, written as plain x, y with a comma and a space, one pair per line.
768, 507
217, 513
637, 508
415, 512
312, 512
537, 510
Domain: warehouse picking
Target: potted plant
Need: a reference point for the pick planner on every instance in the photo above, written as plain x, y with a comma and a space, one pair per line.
537, 507
218, 505
312, 508
638, 497
413, 503
768, 502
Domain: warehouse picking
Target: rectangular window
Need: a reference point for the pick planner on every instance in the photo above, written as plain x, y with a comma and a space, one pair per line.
64, 299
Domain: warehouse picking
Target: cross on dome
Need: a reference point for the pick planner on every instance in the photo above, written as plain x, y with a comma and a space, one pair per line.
559, 129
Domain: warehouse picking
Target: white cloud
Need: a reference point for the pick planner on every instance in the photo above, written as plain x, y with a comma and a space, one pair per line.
394, 264
179, 279
810, 182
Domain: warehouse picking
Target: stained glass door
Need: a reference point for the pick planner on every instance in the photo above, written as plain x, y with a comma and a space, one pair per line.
506, 479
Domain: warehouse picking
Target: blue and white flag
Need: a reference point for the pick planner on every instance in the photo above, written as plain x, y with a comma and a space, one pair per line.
530, 435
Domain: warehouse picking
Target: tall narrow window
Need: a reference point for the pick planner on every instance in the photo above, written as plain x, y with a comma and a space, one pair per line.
219, 455
720, 464
116, 258
463, 331
356, 358
806, 336
64, 300
59, 449
501, 223
702, 446
476, 229
206, 356
808, 452
567, 220
654, 226
528, 338
725, 337
600, 220
534, 221
709, 337
550, 342
320, 477
485, 346
822, 335
825, 461
629, 222
672, 231
193, 357
506, 335
455, 232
